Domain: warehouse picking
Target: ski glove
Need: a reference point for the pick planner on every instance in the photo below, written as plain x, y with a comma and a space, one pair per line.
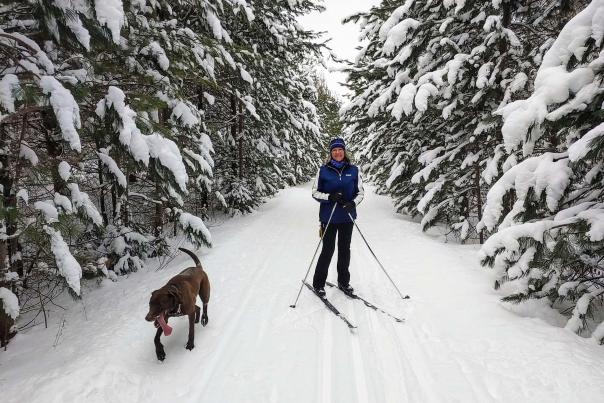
336, 197
349, 206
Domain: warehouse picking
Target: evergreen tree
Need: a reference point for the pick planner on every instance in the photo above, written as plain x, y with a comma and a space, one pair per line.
97, 130
549, 244
272, 136
328, 109
426, 86
124, 123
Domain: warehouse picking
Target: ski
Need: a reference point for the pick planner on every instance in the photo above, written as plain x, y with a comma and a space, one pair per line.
364, 301
331, 307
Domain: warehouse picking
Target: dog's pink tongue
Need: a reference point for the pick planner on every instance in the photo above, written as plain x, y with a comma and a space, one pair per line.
167, 329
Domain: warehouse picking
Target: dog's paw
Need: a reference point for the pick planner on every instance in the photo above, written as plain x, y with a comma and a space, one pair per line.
190, 345
204, 320
161, 354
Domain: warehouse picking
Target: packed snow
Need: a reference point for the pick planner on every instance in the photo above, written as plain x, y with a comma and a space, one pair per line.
459, 342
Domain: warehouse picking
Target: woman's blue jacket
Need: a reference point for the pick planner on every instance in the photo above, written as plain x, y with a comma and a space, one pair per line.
330, 180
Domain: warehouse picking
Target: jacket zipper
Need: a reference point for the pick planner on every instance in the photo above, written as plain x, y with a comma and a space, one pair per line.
339, 174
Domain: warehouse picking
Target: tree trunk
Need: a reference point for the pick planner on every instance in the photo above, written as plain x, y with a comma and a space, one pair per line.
54, 147
158, 219
234, 126
200, 97
101, 185
6, 184
240, 140
478, 199
14, 245
124, 201
506, 20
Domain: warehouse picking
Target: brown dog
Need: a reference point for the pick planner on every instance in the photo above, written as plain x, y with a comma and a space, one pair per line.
177, 298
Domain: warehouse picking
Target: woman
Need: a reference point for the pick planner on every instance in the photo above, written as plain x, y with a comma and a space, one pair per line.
338, 184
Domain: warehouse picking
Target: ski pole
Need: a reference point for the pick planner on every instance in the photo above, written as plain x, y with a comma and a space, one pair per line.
314, 255
376, 258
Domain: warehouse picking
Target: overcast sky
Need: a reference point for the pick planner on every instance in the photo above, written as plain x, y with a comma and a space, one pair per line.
344, 37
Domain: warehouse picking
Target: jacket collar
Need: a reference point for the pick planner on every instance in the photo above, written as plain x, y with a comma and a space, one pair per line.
330, 165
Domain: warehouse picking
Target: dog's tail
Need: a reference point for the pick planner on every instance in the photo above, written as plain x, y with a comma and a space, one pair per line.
193, 256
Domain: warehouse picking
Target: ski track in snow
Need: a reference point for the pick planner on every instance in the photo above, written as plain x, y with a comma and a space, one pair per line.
459, 343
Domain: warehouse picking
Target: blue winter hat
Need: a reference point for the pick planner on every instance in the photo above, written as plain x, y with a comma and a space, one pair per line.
338, 142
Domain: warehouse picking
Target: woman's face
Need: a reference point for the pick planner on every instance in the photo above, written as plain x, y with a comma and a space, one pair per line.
338, 154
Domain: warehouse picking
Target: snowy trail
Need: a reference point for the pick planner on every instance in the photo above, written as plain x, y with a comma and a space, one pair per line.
458, 344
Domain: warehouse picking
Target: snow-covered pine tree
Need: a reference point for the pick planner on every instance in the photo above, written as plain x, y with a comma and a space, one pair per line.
550, 244
426, 85
409, 46
272, 137
484, 68
152, 128
387, 147
95, 104
40, 125
328, 107
108, 115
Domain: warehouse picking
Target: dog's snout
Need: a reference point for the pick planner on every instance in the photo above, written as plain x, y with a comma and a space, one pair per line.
150, 317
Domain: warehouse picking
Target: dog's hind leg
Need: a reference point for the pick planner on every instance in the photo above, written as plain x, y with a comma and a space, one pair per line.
159, 348
191, 341
197, 314
204, 294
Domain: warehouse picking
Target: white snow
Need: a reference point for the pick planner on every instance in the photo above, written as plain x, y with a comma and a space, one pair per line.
595, 219
73, 21
394, 18
215, 25
483, 75
130, 135
48, 210
423, 93
154, 49
63, 202
28, 154
8, 85
194, 224
547, 173
554, 84
579, 149
10, 303
81, 200
64, 170
69, 268
81, 33
184, 113
111, 14
404, 103
398, 34
41, 58
168, 154
66, 110
245, 75
113, 168
23, 195
459, 342
210, 98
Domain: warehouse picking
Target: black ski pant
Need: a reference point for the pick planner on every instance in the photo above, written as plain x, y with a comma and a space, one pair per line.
344, 232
